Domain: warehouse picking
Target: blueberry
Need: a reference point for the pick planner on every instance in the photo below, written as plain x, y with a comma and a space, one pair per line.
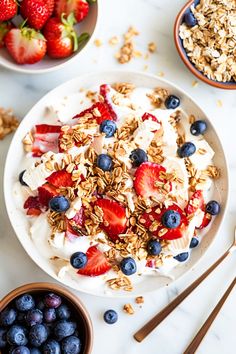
35, 351
128, 266
190, 19
172, 102
64, 329
194, 242
110, 316
51, 347
153, 247
40, 305
171, 219
63, 312
20, 317
71, 345
33, 317
213, 207
182, 257
3, 337
52, 300
104, 162
17, 335
186, 150
59, 204
78, 260
108, 127
38, 335
21, 350
138, 156
22, 182
198, 127
8, 317
49, 315
25, 302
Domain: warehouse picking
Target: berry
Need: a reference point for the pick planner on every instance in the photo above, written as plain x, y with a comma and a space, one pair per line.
52, 300
21, 350
80, 8
17, 335
128, 266
25, 45
20, 319
21, 180
190, 19
78, 260
97, 263
46, 193
38, 335
102, 108
71, 345
182, 257
114, 218
8, 9
64, 329
147, 116
35, 351
3, 337
171, 219
51, 347
60, 179
49, 315
4, 29
172, 102
138, 156
25, 302
195, 202
33, 317
8, 317
33, 206
110, 316
108, 127
50, 5
194, 242
213, 207
205, 221
104, 91
146, 176
36, 12
153, 247
104, 162
59, 204
40, 305
198, 127
45, 139
186, 150
63, 312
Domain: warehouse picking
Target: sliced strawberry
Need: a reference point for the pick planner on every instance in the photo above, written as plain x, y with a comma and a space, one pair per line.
151, 263
205, 221
33, 205
104, 90
75, 225
99, 111
97, 263
46, 193
45, 139
196, 202
146, 177
60, 179
147, 116
33, 212
114, 218
156, 215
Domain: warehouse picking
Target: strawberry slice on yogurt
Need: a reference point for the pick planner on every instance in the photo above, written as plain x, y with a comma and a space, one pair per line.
45, 139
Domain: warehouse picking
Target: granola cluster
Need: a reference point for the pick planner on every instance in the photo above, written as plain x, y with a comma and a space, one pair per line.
8, 122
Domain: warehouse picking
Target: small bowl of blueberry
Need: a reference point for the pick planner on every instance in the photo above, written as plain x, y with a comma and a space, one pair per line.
44, 318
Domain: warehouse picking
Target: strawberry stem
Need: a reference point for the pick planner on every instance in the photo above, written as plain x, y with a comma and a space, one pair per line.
83, 38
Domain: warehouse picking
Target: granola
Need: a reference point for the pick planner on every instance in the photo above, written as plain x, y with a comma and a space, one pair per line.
8, 122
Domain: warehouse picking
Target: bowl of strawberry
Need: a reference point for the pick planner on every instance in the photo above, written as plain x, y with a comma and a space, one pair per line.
39, 36
44, 318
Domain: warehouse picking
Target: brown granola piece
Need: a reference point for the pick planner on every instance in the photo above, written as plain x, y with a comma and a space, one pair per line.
139, 300
8, 122
128, 309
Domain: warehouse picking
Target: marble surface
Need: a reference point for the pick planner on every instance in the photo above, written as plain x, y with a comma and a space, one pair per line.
154, 19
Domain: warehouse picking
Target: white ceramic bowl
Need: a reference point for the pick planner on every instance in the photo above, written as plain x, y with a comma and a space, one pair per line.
19, 220
47, 64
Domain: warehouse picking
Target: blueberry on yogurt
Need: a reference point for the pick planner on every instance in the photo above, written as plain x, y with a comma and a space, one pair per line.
186, 150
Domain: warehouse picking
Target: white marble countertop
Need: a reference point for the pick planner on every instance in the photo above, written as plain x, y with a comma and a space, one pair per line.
154, 19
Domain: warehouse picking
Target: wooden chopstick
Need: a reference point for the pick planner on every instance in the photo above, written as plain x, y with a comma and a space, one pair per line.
191, 349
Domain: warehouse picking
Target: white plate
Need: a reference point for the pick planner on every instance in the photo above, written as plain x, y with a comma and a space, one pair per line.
16, 153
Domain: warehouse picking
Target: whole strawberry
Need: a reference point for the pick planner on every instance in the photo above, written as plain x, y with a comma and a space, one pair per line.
8, 9
36, 12
4, 28
80, 8
25, 45
50, 5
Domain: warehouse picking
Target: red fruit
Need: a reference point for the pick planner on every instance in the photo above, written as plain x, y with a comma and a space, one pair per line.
4, 29
114, 218
146, 177
196, 202
171, 234
104, 90
80, 8
46, 193
33, 212
8, 9
36, 12
45, 139
25, 45
74, 225
60, 179
61, 38
97, 263
50, 5
33, 206
205, 221
147, 116
103, 110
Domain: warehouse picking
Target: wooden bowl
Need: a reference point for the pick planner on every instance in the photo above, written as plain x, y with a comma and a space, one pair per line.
82, 317
183, 55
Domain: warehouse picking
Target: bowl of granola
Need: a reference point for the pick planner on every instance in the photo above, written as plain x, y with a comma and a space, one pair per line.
205, 38
119, 175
